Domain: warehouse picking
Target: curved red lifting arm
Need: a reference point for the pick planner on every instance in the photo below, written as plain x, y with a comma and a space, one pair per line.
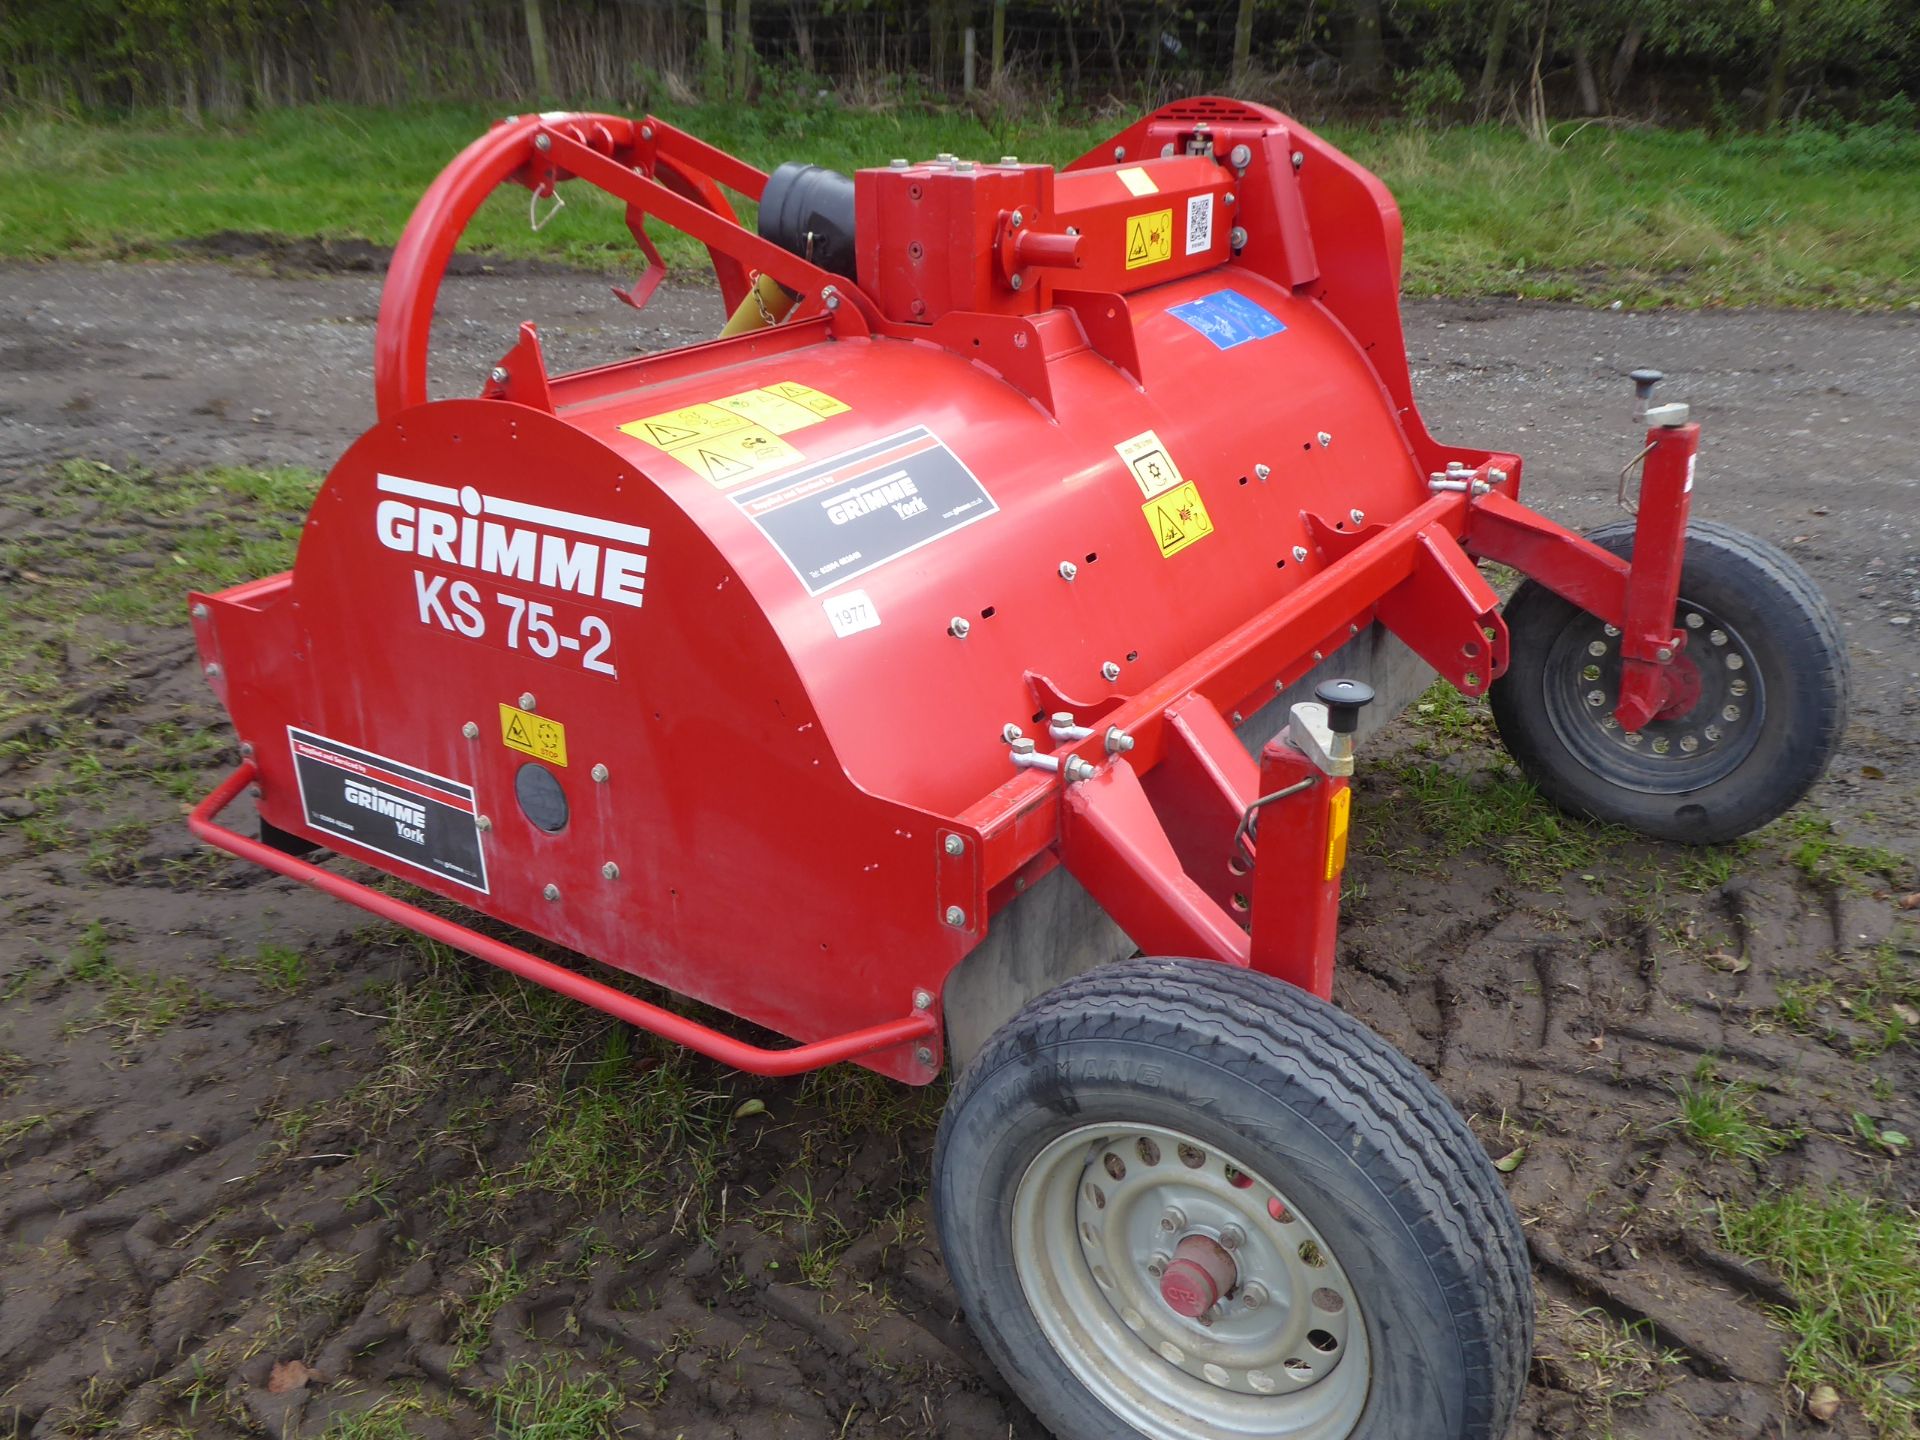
757, 1060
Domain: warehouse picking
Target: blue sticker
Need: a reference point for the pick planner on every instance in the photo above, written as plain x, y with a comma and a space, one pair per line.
1227, 318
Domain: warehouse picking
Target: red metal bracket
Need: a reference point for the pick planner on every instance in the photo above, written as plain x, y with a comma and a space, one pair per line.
1300, 856
1648, 639
521, 375
1448, 614
920, 1025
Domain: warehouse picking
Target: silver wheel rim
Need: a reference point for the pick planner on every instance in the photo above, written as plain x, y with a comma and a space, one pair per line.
1097, 1218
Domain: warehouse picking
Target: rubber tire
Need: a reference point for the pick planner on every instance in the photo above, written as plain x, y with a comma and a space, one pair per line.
1360, 1140
1795, 639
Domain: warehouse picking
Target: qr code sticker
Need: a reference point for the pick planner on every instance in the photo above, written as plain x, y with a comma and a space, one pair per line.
1199, 224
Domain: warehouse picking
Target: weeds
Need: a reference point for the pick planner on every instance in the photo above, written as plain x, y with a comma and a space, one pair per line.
537, 1402
1720, 1117
1499, 811
1814, 849
1605, 1363
1853, 1266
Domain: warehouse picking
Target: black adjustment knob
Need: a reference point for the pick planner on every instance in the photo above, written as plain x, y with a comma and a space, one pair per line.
1644, 380
1343, 699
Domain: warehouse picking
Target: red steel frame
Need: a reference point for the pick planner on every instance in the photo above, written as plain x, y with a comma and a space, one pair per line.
1416, 575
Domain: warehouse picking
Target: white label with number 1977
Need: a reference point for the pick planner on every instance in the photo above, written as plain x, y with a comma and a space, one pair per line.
850, 612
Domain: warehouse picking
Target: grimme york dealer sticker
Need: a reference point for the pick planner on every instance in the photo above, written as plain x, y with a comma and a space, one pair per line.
423, 820
844, 516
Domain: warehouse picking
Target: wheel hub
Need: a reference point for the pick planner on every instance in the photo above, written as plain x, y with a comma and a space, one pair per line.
1195, 1290
1715, 708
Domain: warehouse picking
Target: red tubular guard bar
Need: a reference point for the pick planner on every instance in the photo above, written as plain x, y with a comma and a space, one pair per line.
754, 1059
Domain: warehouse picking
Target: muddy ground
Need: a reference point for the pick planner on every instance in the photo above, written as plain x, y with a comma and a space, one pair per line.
271, 1170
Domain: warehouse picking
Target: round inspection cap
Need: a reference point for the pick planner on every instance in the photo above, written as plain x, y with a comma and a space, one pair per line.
541, 799
1343, 699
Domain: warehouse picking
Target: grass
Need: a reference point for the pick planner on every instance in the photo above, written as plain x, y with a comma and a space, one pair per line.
1498, 810
1720, 1117
1814, 849
540, 1403
1805, 218
1853, 1267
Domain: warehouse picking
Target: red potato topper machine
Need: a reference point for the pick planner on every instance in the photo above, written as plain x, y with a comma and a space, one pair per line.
997, 602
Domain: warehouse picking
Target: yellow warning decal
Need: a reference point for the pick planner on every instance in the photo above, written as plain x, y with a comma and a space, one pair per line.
1151, 463
679, 427
736, 437
1138, 181
1338, 809
729, 459
533, 735
1177, 519
1149, 239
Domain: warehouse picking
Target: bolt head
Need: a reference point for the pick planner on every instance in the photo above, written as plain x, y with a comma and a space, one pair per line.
1119, 152
1299, 158
1018, 220
1239, 157
1262, 471
1078, 769
599, 773
1068, 569
956, 917
646, 132
1358, 517
543, 142
200, 611
213, 671
1110, 671
1325, 439
527, 701
552, 892
1665, 652
923, 999
1017, 281
610, 870
1021, 745
1300, 554
1237, 237
954, 845
470, 730
830, 297
482, 823
1232, 1238
958, 627
246, 750
498, 374
1253, 1295
923, 1056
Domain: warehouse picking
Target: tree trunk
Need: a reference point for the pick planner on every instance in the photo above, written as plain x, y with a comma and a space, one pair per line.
1623, 58
1583, 77
537, 45
1242, 44
1496, 52
1365, 59
713, 68
1782, 62
742, 48
999, 41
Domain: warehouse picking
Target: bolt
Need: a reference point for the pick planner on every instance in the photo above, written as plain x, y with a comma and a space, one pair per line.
1068, 569
1300, 554
956, 917
1009, 159
1078, 769
610, 870
1236, 718
1665, 652
543, 142
1232, 1238
200, 612
1109, 671
246, 750
482, 823
1229, 199
958, 627
923, 999
1021, 745
1174, 1220
1239, 156
1358, 517
1118, 741
1325, 439
1299, 158
552, 892
923, 1056
1262, 471
470, 730
526, 700
213, 672
1119, 152
1498, 477
954, 845
1017, 281
1237, 237
1253, 1295
498, 374
1018, 220
830, 297
1157, 1265
1009, 732
898, 163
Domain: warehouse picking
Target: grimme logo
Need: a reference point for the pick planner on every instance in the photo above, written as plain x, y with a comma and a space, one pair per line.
437, 522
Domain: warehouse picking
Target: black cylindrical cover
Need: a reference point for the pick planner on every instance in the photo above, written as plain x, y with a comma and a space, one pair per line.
803, 201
